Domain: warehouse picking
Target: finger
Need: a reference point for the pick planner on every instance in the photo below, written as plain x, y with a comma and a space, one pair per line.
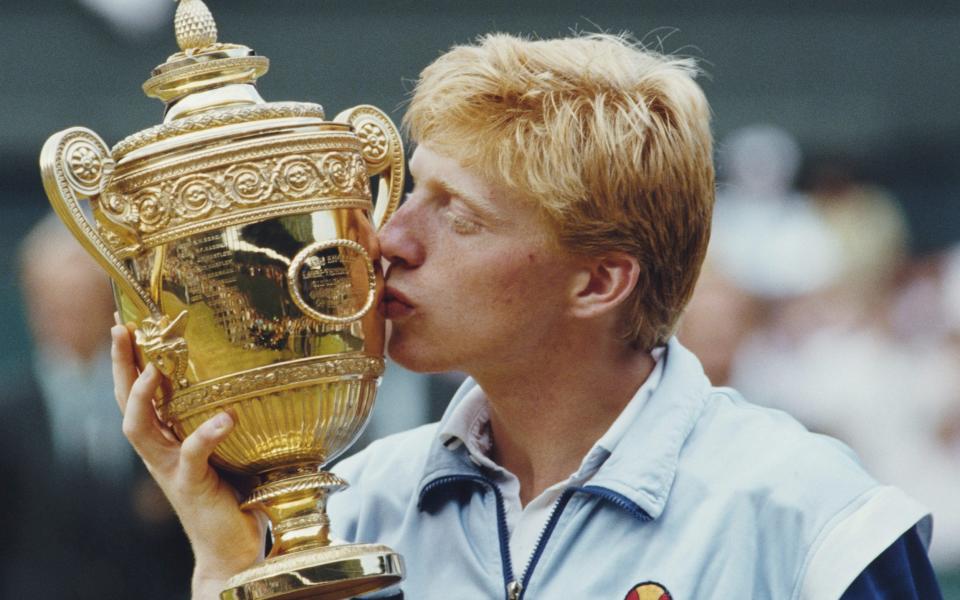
124, 368
199, 445
169, 434
140, 422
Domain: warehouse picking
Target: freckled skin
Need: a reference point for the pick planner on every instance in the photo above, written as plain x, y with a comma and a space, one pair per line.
473, 292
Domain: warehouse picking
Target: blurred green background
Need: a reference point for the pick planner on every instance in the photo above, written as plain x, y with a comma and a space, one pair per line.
877, 83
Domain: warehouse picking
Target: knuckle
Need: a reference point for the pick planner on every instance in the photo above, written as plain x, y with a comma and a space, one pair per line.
190, 450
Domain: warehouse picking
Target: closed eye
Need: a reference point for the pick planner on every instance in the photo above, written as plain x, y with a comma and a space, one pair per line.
461, 224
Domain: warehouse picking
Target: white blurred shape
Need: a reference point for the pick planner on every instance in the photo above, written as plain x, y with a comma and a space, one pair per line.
767, 239
761, 160
133, 18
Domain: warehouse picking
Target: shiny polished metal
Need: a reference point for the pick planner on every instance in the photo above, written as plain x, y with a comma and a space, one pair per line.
240, 236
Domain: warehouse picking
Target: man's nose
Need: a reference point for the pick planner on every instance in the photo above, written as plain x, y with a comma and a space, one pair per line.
400, 241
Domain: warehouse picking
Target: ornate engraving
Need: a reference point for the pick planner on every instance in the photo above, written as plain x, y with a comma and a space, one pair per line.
150, 210
316, 519
305, 387
85, 163
356, 558
347, 172
242, 67
199, 196
375, 142
321, 480
260, 112
271, 378
162, 342
194, 25
321, 282
195, 195
248, 183
298, 177
63, 186
382, 150
239, 217
241, 151
110, 237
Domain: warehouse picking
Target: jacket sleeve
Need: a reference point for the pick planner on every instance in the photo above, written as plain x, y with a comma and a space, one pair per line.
902, 572
857, 536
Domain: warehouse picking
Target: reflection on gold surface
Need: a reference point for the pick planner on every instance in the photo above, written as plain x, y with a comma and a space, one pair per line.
241, 243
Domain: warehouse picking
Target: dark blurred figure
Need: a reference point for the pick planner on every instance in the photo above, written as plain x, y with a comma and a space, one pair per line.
81, 517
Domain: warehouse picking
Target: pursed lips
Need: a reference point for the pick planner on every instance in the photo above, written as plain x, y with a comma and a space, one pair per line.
395, 304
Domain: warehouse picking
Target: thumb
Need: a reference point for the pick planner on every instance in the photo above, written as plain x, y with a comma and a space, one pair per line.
199, 445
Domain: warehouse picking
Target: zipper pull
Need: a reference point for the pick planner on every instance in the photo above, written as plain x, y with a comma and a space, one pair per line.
514, 589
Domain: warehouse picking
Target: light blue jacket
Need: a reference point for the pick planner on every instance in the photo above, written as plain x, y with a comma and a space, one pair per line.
706, 496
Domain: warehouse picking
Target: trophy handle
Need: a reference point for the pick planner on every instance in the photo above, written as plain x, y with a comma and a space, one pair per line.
75, 164
383, 153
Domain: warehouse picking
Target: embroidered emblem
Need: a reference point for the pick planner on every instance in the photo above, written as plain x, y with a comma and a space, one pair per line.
648, 590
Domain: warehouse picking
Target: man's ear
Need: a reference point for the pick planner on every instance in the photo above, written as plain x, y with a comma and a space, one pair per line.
604, 284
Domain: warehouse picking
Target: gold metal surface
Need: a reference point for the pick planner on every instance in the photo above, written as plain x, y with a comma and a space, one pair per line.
331, 573
194, 25
240, 236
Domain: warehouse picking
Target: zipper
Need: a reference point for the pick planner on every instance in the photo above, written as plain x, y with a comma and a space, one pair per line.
552, 521
514, 587
617, 500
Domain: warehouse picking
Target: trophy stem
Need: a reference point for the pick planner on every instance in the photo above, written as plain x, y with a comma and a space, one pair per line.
303, 563
295, 501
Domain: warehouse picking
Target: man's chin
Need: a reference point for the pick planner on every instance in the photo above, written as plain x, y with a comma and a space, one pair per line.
404, 354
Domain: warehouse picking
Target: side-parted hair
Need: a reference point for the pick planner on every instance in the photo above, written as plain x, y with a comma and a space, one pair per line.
610, 140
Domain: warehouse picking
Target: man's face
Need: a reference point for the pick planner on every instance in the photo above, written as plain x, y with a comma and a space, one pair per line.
474, 282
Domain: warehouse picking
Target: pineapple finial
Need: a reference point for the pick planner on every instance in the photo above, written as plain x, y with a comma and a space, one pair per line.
194, 25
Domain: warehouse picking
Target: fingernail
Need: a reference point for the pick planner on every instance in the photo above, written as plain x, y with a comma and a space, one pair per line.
222, 421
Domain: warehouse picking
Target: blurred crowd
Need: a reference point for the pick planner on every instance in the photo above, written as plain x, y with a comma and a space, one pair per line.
81, 517
810, 301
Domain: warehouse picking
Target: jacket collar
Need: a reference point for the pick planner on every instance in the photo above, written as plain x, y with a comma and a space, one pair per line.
639, 473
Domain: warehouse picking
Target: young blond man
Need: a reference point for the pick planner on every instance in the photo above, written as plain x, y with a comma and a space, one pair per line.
555, 232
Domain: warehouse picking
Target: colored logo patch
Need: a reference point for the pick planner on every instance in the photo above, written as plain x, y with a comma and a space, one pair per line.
648, 590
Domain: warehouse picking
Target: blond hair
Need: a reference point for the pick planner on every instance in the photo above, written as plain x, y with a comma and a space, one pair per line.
611, 141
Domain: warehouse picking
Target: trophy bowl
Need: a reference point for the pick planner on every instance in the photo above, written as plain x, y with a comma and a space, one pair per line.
240, 236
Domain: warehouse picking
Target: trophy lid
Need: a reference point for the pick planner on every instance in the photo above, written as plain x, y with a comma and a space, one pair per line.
202, 63
208, 84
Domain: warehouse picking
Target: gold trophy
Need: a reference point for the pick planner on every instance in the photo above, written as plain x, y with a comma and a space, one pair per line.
240, 237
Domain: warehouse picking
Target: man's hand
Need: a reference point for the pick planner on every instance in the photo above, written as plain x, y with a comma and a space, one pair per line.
225, 539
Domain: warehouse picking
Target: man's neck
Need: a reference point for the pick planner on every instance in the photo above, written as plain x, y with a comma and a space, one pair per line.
545, 418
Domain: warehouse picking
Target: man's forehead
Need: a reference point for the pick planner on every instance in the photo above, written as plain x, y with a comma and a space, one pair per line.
493, 199
433, 168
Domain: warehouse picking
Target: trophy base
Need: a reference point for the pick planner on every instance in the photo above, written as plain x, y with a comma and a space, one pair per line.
331, 573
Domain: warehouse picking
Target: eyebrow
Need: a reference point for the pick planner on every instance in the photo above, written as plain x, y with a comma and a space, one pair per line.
478, 203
